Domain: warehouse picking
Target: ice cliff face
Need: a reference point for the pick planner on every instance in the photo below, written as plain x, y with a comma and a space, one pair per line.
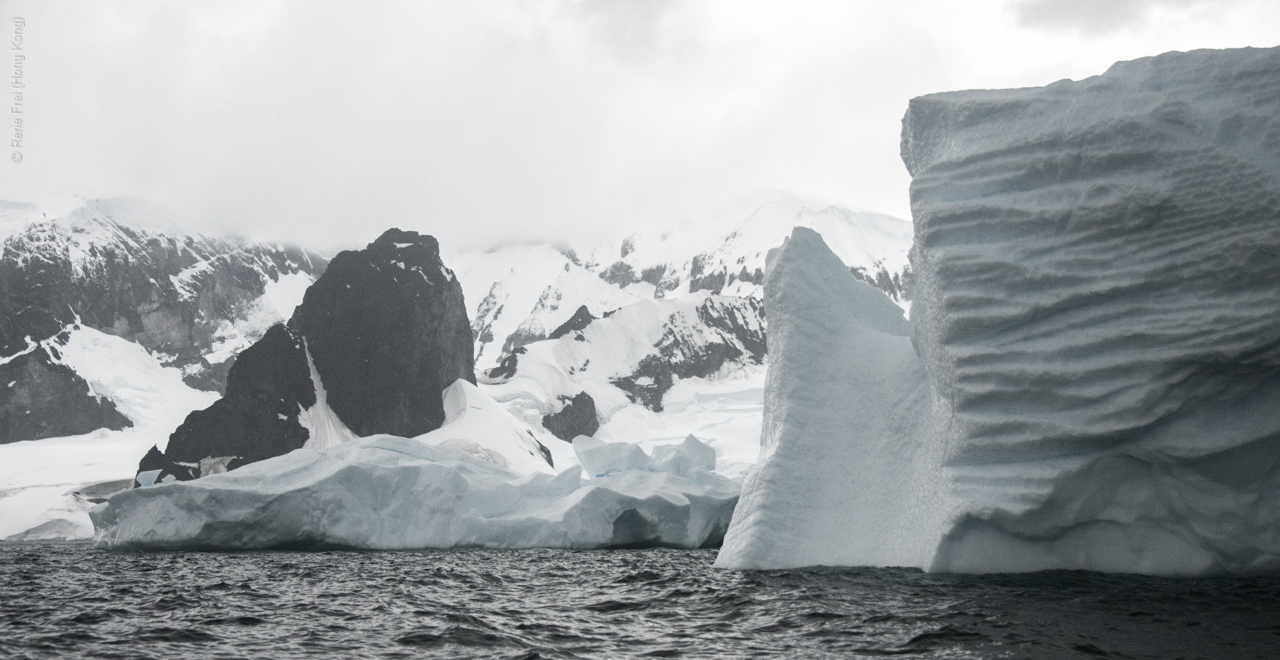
1095, 311
375, 341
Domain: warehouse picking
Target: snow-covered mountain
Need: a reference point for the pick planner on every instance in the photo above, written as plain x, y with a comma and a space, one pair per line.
113, 265
564, 339
661, 334
113, 327
517, 295
729, 257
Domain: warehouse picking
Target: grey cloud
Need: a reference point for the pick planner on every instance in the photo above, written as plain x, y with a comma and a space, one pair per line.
507, 121
1092, 17
629, 28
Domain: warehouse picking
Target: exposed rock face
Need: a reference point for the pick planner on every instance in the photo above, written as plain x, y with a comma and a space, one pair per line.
519, 295
580, 319
388, 330
895, 285
578, 417
171, 294
1095, 282
726, 330
506, 368
40, 398
620, 273
269, 384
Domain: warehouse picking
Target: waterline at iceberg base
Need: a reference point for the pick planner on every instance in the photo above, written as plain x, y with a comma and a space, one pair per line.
1091, 376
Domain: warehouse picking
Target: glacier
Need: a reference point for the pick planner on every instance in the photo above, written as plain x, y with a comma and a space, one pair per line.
1091, 375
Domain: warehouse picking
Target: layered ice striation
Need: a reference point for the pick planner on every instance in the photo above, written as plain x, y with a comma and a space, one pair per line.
1096, 313
387, 492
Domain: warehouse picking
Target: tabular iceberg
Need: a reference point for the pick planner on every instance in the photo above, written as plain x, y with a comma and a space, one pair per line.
1097, 319
447, 488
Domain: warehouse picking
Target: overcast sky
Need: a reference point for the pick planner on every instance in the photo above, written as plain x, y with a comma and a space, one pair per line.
485, 122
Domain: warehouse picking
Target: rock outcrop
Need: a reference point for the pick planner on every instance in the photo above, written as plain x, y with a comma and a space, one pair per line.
577, 417
388, 330
374, 343
42, 398
723, 331
1095, 313
268, 386
580, 319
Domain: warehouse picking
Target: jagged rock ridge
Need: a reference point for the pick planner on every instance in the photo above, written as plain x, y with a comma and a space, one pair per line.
172, 294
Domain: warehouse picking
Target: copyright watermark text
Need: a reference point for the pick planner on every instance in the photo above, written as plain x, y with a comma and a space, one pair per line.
17, 86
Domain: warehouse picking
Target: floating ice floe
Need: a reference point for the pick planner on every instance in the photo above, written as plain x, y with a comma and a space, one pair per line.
435, 491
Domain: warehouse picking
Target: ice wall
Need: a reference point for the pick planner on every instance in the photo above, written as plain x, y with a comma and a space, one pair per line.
1097, 309
845, 473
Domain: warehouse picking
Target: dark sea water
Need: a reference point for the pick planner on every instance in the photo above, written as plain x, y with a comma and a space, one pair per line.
68, 600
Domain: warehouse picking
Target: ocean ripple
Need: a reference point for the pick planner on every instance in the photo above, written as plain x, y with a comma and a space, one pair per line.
66, 599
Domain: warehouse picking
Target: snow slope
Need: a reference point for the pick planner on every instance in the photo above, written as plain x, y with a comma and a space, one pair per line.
657, 371
39, 478
1095, 314
518, 295
477, 425
385, 492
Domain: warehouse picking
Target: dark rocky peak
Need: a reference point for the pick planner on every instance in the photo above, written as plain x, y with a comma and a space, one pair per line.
388, 331
394, 243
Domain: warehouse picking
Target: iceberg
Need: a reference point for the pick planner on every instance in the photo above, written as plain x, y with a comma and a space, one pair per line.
847, 475
445, 489
1091, 379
